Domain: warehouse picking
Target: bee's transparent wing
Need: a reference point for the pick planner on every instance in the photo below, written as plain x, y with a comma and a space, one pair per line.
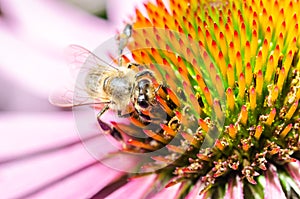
81, 59
74, 92
67, 98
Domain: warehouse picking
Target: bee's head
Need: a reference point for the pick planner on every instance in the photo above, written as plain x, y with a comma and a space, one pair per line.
144, 88
143, 102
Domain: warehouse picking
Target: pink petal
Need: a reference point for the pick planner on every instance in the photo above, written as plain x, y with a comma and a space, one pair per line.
235, 188
294, 170
124, 11
67, 172
34, 39
273, 188
31, 68
56, 24
195, 192
34, 131
135, 188
169, 192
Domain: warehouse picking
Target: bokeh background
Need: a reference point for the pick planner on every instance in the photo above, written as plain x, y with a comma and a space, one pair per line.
40, 151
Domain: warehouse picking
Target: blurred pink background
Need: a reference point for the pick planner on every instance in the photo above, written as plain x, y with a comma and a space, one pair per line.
40, 151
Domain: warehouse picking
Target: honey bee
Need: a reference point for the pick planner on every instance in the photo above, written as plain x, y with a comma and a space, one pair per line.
130, 91
115, 87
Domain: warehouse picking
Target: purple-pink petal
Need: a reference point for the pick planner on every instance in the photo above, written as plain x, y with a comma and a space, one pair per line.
66, 171
169, 192
195, 192
294, 170
235, 189
273, 187
136, 188
34, 35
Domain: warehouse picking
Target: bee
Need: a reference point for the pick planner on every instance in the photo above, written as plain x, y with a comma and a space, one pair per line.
129, 91
118, 88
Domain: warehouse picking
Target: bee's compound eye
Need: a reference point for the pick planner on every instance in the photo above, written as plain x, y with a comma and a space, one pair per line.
143, 103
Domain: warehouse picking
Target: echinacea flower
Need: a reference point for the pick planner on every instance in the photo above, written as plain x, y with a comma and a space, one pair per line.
227, 86
227, 114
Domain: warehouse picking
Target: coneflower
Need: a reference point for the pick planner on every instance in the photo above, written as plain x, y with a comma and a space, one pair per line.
227, 109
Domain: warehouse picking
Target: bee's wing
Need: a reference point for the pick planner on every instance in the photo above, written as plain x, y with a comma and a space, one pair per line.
74, 93
81, 59
66, 98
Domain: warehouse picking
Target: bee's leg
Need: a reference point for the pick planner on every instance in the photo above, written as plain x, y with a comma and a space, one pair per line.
159, 87
110, 130
105, 108
119, 112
